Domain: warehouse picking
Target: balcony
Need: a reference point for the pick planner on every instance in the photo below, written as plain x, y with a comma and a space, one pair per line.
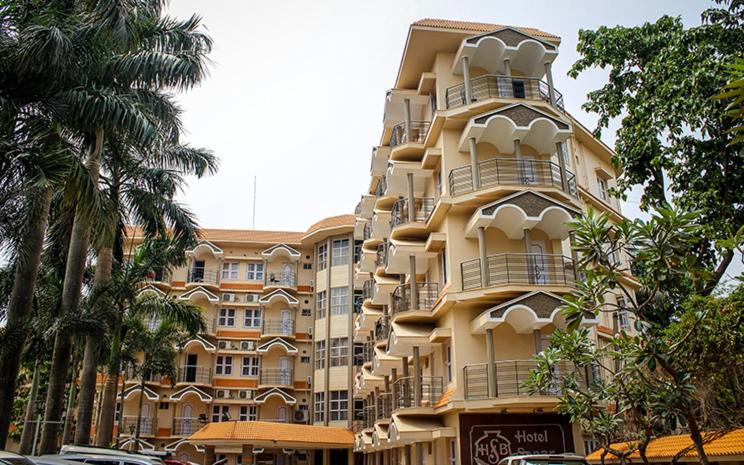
519, 269
382, 329
281, 279
147, 426
368, 289
385, 410
370, 416
399, 136
159, 278
382, 251
422, 209
381, 187
195, 374
366, 354
276, 377
133, 376
425, 299
278, 327
509, 379
495, 86
511, 172
431, 389
202, 275
186, 426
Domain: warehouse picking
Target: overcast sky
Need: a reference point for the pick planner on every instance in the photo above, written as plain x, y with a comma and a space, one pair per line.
297, 88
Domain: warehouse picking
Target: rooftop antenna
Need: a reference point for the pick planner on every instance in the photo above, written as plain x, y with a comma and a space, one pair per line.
254, 203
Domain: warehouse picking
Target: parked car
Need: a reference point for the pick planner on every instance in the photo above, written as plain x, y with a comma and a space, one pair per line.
10, 458
50, 460
84, 450
544, 459
111, 459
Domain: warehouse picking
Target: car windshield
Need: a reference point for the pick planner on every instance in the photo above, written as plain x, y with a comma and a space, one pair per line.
17, 461
553, 462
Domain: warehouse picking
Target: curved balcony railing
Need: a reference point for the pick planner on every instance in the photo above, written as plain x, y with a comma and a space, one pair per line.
370, 414
426, 297
278, 326
510, 171
494, 86
194, 374
381, 186
367, 232
368, 289
431, 388
382, 253
276, 376
385, 406
203, 275
382, 329
147, 426
510, 376
419, 129
520, 269
281, 279
186, 426
422, 209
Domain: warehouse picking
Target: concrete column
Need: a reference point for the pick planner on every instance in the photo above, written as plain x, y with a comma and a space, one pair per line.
413, 283
350, 457
326, 457
475, 173
419, 453
559, 146
393, 378
407, 118
410, 199
517, 149
416, 377
408, 454
483, 254
378, 403
405, 386
327, 362
507, 67
491, 369
466, 80
528, 258
549, 78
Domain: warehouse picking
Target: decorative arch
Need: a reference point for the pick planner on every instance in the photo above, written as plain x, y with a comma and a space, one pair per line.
208, 346
277, 342
281, 250
205, 246
150, 289
275, 392
200, 291
280, 294
149, 393
191, 390
175, 445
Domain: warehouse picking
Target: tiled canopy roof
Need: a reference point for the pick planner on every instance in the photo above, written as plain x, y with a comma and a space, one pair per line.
731, 443
332, 222
247, 432
480, 27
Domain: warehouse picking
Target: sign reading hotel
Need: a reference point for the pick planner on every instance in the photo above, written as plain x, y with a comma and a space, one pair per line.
488, 438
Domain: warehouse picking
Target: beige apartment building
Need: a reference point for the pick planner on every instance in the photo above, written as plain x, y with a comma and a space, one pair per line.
279, 309
467, 250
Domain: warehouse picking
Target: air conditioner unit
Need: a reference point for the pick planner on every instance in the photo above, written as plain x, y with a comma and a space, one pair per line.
309, 330
247, 345
222, 344
245, 394
222, 393
228, 297
251, 298
309, 380
300, 416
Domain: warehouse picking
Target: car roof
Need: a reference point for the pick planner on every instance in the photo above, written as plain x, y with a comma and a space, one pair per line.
7, 454
110, 457
55, 459
546, 457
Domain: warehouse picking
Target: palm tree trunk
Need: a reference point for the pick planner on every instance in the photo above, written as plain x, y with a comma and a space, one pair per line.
67, 431
19, 310
105, 430
29, 424
90, 358
73, 283
139, 410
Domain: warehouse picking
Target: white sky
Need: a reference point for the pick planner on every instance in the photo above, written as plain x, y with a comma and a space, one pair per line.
297, 88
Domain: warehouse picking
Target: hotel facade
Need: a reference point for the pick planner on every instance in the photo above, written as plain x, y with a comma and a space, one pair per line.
413, 323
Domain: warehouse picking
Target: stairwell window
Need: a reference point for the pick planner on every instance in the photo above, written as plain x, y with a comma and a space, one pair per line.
339, 408
319, 406
339, 301
226, 317
320, 354
340, 249
322, 257
320, 305
248, 413
230, 270
255, 272
252, 318
339, 351
250, 366
224, 365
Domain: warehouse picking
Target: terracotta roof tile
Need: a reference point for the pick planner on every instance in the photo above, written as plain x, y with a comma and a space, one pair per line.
332, 222
446, 397
731, 443
480, 27
247, 431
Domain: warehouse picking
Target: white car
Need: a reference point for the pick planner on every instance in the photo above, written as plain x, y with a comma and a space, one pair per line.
87, 450
102, 459
543, 459
10, 458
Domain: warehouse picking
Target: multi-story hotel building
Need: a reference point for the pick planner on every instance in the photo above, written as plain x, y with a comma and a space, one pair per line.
414, 322
467, 250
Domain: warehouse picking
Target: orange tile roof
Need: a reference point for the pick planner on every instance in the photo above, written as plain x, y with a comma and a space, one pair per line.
731, 443
480, 27
332, 222
445, 399
246, 432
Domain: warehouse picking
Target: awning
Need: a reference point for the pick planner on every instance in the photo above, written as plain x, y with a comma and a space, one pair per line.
382, 363
405, 336
272, 435
407, 430
728, 447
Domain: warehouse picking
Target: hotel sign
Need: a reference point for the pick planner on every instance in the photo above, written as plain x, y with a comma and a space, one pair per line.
485, 439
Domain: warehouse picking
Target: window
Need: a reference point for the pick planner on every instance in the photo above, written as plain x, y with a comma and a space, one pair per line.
248, 413
443, 266
340, 249
339, 300
255, 272
307, 266
453, 452
339, 408
320, 305
358, 354
358, 251
117, 412
227, 317
320, 353
305, 359
224, 365
319, 406
322, 257
602, 188
250, 366
339, 351
448, 362
306, 312
230, 270
623, 315
163, 406
220, 413
252, 318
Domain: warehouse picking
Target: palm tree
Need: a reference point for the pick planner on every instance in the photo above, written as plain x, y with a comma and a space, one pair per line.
157, 325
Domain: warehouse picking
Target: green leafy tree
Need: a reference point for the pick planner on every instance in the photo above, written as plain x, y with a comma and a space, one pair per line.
734, 96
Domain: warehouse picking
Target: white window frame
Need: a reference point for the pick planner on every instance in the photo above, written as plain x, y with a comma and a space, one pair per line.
339, 300
248, 413
254, 271
223, 365
602, 186
319, 404
320, 354
217, 411
226, 317
339, 406
320, 305
322, 257
339, 352
252, 318
340, 252
448, 362
250, 366
230, 270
